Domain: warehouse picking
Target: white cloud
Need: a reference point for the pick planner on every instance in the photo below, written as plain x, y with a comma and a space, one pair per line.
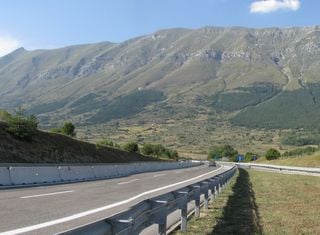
266, 6
8, 44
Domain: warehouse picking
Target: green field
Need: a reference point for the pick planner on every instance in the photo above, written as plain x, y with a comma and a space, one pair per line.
263, 203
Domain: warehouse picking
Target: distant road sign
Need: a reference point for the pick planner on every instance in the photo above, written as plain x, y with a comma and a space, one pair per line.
240, 158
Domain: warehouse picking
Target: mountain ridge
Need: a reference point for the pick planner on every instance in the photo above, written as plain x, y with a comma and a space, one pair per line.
218, 69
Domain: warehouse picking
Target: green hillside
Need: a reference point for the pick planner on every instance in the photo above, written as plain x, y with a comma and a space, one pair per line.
290, 109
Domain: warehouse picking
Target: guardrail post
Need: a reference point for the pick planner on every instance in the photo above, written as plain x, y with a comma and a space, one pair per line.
205, 191
183, 206
212, 189
163, 228
217, 188
223, 182
197, 208
216, 192
161, 217
206, 201
197, 200
184, 218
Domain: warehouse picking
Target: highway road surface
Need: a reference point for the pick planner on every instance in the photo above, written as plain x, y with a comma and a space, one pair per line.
57, 208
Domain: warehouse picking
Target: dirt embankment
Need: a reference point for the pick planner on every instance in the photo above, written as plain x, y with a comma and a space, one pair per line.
54, 148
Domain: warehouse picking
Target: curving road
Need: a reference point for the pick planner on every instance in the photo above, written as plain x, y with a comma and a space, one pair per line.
53, 209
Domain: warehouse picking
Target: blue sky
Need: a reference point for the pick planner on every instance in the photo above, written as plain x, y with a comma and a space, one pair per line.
57, 23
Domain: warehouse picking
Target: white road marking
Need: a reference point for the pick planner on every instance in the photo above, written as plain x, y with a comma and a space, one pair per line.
178, 172
128, 182
159, 175
96, 210
47, 194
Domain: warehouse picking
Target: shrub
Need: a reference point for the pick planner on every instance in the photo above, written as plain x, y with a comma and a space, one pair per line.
272, 154
299, 152
131, 147
248, 157
4, 115
147, 149
301, 139
159, 151
174, 155
106, 143
21, 126
68, 129
56, 130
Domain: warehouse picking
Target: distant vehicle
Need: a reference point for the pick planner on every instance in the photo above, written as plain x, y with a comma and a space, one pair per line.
212, 163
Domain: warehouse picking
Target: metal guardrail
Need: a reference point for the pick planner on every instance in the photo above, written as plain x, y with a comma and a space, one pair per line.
155, 210
281, 168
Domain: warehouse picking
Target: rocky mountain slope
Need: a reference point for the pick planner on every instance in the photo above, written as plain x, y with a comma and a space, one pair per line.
261, 77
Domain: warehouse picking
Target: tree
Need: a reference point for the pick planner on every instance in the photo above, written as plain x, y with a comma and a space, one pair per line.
272, 154
218, 152
131, 147
68, 129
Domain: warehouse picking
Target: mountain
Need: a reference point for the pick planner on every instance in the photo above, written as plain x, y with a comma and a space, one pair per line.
256, 77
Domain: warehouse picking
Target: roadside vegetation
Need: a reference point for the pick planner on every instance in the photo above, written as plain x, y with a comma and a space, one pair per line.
107, 143
19, 124
263, 203
68, 128
304, 157
159, 151
224, 151
303, 139
152, 150
303, 161
22, 142
308, 156
272, 154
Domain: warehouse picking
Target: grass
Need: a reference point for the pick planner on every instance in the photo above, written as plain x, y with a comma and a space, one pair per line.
263, 203
303, 161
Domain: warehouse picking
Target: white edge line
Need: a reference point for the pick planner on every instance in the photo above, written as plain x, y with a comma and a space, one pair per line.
47, 194
96, 210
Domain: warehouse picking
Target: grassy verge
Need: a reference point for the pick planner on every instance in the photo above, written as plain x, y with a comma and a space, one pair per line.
263, 203
303, 161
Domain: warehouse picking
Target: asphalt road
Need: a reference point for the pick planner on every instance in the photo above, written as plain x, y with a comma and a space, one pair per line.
56, 208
